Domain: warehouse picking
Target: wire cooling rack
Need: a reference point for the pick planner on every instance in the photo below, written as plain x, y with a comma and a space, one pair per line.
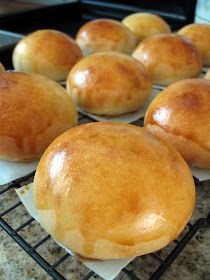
170, 253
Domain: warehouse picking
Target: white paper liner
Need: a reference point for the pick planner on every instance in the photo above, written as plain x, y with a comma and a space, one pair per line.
107, 269
125, 118
11, 170
200, 174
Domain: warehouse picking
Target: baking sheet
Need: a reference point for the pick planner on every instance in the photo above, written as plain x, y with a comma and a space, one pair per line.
107, 269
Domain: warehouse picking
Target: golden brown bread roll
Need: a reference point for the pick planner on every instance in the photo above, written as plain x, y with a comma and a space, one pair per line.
33, 112
2, 69
109, 83
207, 76
145, 24
49, 53
105, 35
112, 191
200, 35
169, 58
181, 115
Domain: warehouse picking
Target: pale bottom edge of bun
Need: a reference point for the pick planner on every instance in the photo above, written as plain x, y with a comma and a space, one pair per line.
107, 249
110, 115
192, 152
206, 61
22, 150
16, 151
166, 74
89, 48
164, 81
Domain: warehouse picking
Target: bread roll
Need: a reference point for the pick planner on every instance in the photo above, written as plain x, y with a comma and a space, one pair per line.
169, 58
200, 35
181, 115
207, 76
112, 191
49, 53
109, 84
105, 35
1, 68
33, 112
145, 24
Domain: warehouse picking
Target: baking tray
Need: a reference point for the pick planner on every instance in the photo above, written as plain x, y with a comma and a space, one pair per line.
69, 17
176, 12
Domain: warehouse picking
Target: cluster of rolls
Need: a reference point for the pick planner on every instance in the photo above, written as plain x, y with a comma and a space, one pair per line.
110, 190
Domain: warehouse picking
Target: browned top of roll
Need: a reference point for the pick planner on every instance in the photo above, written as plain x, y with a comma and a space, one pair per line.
109, 83
145, 24
184, 110
33, 111
111, 190
169, 58
106, 28
105, 35
50, 53
200, 35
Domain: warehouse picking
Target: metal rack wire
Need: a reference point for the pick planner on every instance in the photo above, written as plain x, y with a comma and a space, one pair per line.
52, 269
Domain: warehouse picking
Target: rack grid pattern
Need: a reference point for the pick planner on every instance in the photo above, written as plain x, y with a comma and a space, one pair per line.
52, 269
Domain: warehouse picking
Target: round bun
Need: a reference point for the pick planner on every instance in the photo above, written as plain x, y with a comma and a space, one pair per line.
181, 115
109, 84
33, 112
200, 35
49, 53
105, 35
169, 58
207, 76
112, 191
2, 69
144, 25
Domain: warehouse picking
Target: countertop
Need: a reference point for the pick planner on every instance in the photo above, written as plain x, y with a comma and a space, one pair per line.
193, 263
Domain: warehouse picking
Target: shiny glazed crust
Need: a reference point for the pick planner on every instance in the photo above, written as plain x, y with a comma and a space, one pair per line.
181, 115
111, 191
105, 35
109, 84
200, 35
49, 53
169, 58
33, 112
144, 25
